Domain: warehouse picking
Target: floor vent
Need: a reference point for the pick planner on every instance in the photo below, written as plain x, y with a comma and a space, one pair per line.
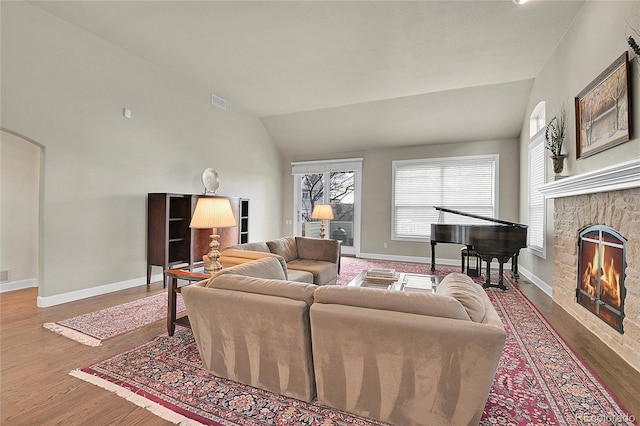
218, 101
4, 276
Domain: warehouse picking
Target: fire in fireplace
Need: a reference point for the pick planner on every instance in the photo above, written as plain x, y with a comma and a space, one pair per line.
602, 264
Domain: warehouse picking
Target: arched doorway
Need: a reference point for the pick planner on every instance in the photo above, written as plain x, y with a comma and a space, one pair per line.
21, 162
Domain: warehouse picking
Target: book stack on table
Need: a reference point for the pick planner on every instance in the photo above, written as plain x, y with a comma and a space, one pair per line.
382, 276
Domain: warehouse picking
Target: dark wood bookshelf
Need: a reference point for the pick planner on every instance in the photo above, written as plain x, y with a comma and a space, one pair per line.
170, 241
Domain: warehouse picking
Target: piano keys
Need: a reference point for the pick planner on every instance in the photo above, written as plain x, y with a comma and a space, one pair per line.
502, 241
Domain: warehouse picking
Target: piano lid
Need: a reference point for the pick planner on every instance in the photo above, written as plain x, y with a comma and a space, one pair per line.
475, 216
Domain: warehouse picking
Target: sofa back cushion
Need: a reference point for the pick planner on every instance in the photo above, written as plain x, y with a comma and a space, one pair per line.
268, 287
266, 267
389, 300
462, 288
285, 247
326, 250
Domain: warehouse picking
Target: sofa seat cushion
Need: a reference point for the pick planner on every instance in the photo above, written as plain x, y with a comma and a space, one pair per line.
267, 287
462, 288
323, 272
390, 300
300, 276
285, 247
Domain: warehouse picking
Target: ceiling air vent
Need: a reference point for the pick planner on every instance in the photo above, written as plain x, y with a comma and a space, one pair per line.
218, 101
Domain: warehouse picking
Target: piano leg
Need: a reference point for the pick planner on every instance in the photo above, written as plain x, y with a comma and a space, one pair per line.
501, 275
514, 267
487, 281
433, 257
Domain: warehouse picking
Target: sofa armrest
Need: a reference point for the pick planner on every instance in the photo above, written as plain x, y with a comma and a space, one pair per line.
318, 249
256, 339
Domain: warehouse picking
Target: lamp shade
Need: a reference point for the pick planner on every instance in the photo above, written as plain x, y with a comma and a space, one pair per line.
212, 212
322, 212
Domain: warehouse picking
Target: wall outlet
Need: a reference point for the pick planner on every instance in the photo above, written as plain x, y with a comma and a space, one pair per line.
385, 245
4, 276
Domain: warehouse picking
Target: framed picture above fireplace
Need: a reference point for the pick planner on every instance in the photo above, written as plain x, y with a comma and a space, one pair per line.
603, 118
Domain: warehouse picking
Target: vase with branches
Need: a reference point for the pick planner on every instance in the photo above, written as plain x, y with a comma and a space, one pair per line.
554, 135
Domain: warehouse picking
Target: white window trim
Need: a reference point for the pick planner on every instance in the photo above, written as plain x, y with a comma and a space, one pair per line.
395, 164
326, 166
537, 119
537, 141
323, 166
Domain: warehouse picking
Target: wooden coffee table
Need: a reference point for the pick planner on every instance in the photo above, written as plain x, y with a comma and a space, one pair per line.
406, 281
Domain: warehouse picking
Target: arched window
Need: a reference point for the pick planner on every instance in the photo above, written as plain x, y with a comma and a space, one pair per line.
537, 119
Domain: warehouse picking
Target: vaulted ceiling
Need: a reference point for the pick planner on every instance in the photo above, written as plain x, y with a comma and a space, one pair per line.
339, 76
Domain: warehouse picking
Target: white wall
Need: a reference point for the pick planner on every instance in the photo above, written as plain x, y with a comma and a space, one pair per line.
377, 193
19, 205
66, 89
596, 38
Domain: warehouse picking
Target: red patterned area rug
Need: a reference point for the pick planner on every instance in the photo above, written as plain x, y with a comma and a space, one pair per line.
539, 380
92, 328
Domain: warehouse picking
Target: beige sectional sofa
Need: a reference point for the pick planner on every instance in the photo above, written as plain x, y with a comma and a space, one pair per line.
402, 358
311, 260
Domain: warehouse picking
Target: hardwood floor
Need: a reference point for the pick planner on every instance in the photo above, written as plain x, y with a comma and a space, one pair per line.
35, 364
620, 378
36, 388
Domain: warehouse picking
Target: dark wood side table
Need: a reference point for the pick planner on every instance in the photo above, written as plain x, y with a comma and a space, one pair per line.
172, 276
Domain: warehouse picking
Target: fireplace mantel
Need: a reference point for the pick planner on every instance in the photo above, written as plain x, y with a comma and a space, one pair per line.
612, 178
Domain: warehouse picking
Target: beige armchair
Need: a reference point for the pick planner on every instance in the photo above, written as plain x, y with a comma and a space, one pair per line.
311, 260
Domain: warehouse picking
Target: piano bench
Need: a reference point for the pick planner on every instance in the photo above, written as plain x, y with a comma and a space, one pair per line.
471, 261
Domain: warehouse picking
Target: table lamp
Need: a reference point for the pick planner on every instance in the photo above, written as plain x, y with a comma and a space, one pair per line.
212, 213
322, 212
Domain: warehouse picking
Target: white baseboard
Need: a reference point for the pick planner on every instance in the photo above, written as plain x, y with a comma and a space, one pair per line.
376, 256
58, 299
18, 285
536, 281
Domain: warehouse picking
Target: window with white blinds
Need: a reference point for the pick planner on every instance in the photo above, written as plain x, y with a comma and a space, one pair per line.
537, 211
467, 184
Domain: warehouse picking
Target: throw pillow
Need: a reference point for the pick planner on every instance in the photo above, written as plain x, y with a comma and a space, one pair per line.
285, 247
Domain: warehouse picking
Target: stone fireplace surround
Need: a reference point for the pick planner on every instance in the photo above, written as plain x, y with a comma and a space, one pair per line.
608, 196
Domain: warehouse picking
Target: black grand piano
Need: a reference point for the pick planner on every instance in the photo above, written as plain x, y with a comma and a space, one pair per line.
502, 242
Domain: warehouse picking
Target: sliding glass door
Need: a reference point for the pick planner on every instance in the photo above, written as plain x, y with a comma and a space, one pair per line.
338, 185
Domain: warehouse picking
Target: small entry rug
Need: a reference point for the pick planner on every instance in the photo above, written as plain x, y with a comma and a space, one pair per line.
92, 328
539, 381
